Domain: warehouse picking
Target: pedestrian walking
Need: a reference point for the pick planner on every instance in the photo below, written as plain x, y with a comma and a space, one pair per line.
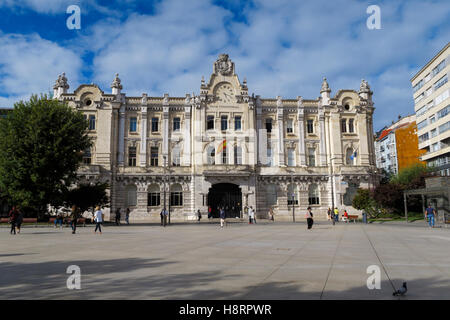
253, 214
199, 215
222, 217
336, 214
271, 215
333, 218
309, 218
209, 212
164, 214
430, 215
127, 216
250, 215
59, 220
98, 218
329, 214
75, 214
13, 214
117, 220
19, 219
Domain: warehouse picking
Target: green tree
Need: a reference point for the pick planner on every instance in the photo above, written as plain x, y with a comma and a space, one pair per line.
41, 145
412, 177
364, 200
87, 196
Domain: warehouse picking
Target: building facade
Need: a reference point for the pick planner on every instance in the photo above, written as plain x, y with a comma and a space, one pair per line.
396, 146
432, 106
224, 147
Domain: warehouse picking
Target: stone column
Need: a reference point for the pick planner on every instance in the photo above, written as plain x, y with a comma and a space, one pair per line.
143, 153
120, 158
142, 200
301, 132
187, 132
281, 161
166, 128
323, 152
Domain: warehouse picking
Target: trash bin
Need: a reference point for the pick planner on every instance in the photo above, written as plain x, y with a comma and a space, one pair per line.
364, 216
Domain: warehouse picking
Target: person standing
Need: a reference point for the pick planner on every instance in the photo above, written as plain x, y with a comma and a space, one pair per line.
209, 212
271, 217
98, 218
59, 219
164, 214
199, 215
430, 214
329, 214
75, 214
309, 218
333, 218
253, 214
222, 217
336, 214
117, 220
250, 215
19, 219
13, 214
127, 216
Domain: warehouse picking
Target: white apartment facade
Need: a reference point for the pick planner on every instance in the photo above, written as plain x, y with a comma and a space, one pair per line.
432, 106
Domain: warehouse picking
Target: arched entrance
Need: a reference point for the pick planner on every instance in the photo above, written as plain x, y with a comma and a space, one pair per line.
228, 196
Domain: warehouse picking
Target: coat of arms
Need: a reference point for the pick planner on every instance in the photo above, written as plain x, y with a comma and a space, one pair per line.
223, 65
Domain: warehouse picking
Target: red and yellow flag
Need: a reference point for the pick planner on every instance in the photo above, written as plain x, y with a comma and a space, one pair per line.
222, 146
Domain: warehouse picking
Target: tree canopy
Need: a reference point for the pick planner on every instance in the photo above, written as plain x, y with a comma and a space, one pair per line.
41, 146
86, 196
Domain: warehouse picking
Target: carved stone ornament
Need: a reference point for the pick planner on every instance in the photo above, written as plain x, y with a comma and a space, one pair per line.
223, 65
364, 87
116, 82
325, 86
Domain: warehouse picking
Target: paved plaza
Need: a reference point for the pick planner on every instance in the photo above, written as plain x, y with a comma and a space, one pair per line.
241, 261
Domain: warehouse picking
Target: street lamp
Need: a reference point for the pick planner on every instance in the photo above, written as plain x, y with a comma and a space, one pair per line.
164, 180
292, 195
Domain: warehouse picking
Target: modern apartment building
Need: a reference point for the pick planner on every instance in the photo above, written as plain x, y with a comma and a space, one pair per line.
396, 146
432, 106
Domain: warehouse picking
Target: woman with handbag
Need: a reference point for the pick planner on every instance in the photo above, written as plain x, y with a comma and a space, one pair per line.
98, 217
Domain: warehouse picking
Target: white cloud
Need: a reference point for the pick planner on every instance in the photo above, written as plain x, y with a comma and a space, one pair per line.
30, 64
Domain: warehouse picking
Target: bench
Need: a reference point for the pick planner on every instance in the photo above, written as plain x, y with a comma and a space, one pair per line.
350, 217
24, 220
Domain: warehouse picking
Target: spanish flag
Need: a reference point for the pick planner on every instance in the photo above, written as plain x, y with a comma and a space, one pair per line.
222, 146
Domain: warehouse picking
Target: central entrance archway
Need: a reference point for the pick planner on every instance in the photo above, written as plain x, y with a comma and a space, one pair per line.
228, 196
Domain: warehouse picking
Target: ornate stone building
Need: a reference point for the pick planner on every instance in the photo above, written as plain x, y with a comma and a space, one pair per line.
224, 147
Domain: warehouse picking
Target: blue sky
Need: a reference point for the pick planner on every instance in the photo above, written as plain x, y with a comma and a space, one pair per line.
282, 47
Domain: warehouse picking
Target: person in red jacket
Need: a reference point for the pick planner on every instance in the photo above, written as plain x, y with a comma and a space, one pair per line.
13, 215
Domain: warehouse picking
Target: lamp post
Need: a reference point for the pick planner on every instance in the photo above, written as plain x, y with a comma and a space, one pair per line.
292, 195
168, 167
164, 180
332, 182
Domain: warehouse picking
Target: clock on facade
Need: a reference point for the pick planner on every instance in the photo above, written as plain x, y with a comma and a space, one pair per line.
225, 93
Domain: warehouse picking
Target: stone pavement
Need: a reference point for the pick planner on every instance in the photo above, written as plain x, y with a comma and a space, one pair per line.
191, 261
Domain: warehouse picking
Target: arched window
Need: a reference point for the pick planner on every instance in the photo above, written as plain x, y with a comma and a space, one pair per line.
313, 194
271, 195
349, 157
176, 195
224, 156
211, 155
154, 196
131, 191
292, 194
237, 155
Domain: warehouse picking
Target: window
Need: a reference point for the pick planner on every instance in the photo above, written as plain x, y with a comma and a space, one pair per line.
427, 78
418, 85
210, 123
419, 97
312, 157
176, 124
131, 195
310, 126
155, 124
154, 156
444, 127
154, 196
132, 156
237, 123
432, 119
223, 123
438, 68
440, 82
271, 195
91, 122
269, 157
423, 137
291, 157
224, 156
429, 91
351, 127
211, 155
433, 133
269, 125
289, 126
176, 195
422, 124
87, 157
176, 156
444, 95
443, 112
292, 194
435, 147
343, 125
133, 124
349, 157
237, 155
313, 194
